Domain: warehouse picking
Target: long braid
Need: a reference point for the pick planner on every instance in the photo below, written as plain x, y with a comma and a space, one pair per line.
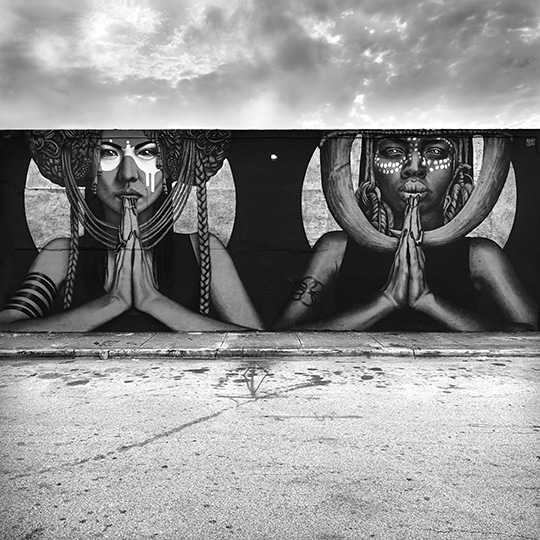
73, 257
462, 186
369, 195
211, 147
204, 247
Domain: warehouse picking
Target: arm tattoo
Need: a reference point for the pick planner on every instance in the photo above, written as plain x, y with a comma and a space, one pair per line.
35, 296
308, 291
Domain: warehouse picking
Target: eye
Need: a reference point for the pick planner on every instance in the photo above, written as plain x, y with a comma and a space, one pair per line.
108, 153
393, 152
436, 152
148, 152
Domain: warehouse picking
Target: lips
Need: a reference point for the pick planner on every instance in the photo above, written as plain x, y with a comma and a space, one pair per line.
413, 187
129, 193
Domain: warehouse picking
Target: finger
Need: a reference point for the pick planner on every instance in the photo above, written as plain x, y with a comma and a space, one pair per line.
134, 217
418, 259
402, 254
413, 218
407, 215
413, 255
418, 224
125, 225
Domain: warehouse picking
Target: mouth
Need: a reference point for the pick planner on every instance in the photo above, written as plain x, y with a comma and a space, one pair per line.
413, 189
129, 194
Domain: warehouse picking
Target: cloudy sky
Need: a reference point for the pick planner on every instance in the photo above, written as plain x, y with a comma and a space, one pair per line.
270, 63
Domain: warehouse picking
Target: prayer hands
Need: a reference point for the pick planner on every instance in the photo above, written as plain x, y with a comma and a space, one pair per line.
407, 285
133, 283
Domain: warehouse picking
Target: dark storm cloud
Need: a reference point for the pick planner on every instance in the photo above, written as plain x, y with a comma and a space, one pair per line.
260, 63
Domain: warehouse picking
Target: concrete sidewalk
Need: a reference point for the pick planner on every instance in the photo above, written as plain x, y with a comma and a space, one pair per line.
210, 345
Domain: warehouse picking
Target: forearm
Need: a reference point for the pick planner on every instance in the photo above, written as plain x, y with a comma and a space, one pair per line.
180, 318
81, 319
454, 317
361, 317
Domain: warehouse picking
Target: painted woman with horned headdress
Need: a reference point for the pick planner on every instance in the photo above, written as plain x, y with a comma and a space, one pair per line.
403, 261
130, 271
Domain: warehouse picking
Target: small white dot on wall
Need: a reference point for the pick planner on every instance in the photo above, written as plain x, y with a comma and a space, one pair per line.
431, 169
273, 157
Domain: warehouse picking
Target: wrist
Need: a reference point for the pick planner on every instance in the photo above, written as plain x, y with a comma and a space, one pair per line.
425, 303
118, 302
387, 302
150, 303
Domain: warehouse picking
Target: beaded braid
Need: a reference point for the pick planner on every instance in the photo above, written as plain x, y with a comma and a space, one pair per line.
369, 195
462, 186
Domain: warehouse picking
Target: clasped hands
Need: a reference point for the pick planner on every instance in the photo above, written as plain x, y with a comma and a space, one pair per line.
407, 285
133, 283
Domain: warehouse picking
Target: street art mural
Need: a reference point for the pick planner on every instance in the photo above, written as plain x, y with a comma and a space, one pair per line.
129, 271
389, 230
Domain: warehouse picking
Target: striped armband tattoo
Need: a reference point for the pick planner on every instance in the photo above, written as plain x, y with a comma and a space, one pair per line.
35, 296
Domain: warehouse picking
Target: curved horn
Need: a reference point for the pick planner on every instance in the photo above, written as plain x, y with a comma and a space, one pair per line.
341, 199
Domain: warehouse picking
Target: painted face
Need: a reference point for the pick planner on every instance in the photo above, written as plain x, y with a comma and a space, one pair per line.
128, 163
421, 166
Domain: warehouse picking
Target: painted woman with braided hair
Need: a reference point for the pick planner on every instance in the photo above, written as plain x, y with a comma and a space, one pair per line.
130, 271
410, 183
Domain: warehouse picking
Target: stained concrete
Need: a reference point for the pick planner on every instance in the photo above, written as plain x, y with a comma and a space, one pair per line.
298, 448
210, 345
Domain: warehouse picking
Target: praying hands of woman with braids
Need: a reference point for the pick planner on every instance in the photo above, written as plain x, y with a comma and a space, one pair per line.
130, 271
407, 284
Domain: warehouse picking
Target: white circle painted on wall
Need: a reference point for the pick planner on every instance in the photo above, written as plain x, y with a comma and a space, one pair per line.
318, 220
47, 207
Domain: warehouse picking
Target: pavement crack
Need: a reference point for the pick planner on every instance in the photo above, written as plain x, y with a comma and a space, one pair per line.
126, 447
379, 342
146, 340
175, 430
220, 346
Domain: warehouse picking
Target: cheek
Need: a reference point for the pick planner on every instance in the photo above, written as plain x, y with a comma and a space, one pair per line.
151, 173
388, 183
434, 165
440, 181
388, 167
106, 180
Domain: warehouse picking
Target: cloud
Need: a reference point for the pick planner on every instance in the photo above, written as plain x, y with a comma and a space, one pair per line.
261, 64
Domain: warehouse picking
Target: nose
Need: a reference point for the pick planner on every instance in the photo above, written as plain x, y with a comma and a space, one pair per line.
414, 167
128, 170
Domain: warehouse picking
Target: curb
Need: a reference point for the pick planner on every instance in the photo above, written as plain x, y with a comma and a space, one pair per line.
268, 352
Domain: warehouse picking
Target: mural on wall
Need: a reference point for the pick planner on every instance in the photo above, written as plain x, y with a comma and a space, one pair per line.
129, 271
408, 250
403, 261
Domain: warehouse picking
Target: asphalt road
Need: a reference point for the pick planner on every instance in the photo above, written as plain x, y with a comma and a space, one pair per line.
308, 448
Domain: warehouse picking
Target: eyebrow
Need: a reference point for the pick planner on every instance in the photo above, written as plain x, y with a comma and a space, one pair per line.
117, 146
392, 140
